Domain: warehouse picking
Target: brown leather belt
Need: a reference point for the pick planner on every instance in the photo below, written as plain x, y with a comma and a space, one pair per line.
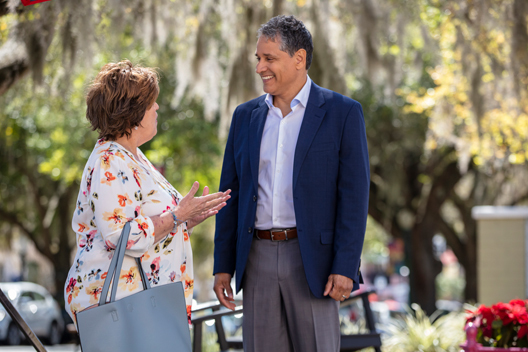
276, 235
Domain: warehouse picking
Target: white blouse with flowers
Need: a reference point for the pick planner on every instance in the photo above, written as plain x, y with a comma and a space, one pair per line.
115, 188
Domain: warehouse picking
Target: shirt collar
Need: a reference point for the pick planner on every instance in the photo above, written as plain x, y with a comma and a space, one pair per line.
300, 98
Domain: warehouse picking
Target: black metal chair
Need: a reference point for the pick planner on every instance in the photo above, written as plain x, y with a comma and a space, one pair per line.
349, 343
225, 343
357, 342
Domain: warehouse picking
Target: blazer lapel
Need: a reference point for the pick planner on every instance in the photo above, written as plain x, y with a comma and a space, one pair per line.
256, 127
313, 116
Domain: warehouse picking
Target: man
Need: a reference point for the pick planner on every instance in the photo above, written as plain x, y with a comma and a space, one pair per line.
296, 161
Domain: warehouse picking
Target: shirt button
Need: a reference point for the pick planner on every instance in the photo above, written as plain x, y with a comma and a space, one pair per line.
254, 198
250, 230
281, 145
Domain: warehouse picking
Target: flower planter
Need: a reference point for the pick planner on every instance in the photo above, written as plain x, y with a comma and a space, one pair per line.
471, 344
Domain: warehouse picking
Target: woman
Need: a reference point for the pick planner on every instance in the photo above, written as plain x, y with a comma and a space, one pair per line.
119, 184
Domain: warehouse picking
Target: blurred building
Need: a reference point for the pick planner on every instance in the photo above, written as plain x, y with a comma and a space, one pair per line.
502, 245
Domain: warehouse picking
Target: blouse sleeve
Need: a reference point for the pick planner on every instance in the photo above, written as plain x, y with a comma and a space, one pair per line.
116, 198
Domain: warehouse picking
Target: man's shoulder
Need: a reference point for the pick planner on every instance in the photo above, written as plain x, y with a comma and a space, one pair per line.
336, 99
252, 104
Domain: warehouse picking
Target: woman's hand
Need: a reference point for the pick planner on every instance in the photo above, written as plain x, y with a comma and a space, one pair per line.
192, 222
197, 209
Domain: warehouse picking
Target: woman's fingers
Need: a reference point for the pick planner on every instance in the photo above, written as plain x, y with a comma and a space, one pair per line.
193, 190
199, 206
215, 202
217, 195
215, 210
219, 206
212, 196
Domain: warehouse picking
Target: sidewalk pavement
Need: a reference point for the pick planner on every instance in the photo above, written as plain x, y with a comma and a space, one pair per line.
29, 348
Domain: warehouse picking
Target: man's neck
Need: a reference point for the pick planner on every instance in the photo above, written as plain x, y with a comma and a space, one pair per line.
283, 101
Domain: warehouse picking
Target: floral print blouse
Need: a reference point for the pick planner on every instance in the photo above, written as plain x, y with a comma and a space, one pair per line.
115, 188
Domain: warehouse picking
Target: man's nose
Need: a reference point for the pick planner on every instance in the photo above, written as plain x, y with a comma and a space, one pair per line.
260, 67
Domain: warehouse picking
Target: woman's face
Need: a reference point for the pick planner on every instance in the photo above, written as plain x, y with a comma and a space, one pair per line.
149, 125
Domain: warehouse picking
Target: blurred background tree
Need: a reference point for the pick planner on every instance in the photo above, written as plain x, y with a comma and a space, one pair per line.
442, 84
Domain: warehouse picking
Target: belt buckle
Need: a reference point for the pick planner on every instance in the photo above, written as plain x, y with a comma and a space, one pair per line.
285, 236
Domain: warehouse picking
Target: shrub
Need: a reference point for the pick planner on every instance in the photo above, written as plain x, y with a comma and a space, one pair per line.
419, 333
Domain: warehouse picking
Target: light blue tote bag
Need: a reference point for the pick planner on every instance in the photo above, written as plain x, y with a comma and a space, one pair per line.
154, 319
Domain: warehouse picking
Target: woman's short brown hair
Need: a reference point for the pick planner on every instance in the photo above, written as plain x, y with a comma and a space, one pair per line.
119, 97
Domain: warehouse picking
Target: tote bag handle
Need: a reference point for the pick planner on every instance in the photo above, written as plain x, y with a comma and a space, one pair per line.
114, 269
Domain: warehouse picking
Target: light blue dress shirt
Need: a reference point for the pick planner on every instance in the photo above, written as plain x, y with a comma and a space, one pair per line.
277, 149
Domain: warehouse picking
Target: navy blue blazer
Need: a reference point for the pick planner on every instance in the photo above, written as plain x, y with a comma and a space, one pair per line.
330, 188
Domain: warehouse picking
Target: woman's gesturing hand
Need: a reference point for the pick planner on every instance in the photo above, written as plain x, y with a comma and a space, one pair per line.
197, 209
192, 222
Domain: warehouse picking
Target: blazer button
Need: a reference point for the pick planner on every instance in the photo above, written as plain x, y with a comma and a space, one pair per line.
250, 230
254, 198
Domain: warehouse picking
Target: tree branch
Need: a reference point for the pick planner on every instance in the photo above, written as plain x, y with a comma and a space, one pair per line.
453, 241
519, 199
12, 218
376, 211
4, 7
14, 64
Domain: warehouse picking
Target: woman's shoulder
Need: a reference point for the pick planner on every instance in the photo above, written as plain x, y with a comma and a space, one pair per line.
106, 160
108, 154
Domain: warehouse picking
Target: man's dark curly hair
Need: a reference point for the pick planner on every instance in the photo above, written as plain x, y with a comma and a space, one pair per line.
293, 35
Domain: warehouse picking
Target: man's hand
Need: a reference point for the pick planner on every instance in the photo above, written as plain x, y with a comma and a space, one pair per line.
338, 287
222, 289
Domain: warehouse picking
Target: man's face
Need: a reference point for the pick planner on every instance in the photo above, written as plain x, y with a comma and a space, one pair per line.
276, 68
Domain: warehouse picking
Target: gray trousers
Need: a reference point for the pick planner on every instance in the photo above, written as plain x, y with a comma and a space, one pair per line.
280, 312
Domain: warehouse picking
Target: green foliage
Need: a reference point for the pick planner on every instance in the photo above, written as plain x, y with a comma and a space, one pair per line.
376, 241
419, 333
450, 287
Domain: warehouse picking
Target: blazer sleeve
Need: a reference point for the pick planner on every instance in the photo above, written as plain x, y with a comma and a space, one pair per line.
352, 200
115, 200
227, 219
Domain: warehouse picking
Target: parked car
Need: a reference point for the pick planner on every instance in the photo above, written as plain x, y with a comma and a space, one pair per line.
38, 308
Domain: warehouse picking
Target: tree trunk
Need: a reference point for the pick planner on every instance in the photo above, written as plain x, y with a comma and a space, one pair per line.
470, 268
424, 266
469, 260
277, 7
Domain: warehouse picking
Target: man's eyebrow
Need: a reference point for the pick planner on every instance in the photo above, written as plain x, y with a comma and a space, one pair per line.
267, 55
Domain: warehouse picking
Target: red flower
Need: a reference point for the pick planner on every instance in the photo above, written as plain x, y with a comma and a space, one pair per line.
518, 302
519, 315
493, 322
487, 314
503, 312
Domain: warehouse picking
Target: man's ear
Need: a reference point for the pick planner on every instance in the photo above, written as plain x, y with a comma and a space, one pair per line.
300, 59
